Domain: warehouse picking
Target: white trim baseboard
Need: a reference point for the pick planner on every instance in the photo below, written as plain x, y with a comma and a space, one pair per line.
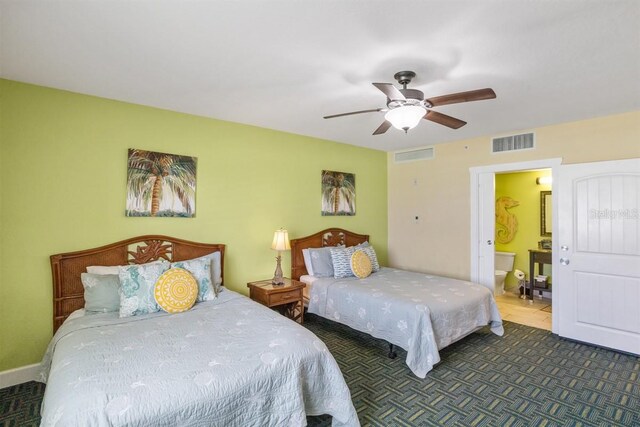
20, 375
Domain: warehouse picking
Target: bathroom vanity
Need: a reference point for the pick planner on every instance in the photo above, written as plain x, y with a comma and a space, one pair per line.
539, 257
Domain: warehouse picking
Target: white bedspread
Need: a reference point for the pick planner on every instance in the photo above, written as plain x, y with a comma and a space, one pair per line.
419, 312
227, 362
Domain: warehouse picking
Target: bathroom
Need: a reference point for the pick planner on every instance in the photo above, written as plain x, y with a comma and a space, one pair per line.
523, 234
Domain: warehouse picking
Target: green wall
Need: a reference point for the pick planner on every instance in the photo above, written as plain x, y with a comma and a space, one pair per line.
63, 163
522, 187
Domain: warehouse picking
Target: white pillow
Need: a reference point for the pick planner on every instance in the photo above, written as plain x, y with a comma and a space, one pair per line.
113, 269
307, 261
216, 268
104, 269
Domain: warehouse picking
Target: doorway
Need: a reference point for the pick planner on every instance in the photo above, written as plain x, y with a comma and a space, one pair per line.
523, 232
483, 226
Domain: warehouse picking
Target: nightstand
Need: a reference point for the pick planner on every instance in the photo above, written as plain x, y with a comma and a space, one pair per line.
287, 298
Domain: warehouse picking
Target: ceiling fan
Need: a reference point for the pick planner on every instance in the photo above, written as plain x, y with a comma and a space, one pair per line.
405, 107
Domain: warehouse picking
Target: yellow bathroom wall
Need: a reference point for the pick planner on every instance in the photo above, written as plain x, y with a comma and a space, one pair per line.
522, 187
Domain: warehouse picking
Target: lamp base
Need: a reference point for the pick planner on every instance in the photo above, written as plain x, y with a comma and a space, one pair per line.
277, 275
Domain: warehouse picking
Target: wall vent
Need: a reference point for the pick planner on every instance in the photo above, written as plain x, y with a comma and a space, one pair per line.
424, 153
523, 141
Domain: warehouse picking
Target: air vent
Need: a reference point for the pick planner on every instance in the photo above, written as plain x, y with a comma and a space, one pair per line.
524, 141
414, 155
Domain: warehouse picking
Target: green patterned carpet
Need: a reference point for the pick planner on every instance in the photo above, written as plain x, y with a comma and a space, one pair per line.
20, 405
526, 378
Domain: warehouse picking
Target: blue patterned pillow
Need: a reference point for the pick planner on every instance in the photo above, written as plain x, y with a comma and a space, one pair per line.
200, 268
136, 288
341, 258
371, 253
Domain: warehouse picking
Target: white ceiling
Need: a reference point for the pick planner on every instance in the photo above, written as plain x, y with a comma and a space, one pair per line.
283, 64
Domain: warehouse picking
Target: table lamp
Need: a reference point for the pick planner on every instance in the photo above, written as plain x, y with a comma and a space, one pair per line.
280, 243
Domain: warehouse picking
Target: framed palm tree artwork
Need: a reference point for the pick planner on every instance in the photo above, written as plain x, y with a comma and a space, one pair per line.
160, 184
338, 193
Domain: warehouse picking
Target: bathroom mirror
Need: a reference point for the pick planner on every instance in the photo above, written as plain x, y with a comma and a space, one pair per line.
545, 213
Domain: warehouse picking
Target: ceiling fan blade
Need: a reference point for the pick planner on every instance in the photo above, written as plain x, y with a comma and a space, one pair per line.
390, 90
353, 112
382, 128
454, 98
445, 120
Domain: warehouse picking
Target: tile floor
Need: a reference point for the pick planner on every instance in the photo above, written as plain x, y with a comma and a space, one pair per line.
514, 309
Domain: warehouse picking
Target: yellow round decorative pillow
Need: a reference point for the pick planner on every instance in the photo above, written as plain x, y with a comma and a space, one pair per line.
176, 290
360, 264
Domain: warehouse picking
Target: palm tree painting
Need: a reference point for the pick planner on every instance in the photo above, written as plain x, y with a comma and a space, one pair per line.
160, 184
338, 193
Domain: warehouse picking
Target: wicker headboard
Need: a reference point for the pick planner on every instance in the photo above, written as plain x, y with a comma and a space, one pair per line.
68, 293
328, 237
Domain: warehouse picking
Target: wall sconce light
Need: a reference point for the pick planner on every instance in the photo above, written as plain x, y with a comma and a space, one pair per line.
544, 180
280, 243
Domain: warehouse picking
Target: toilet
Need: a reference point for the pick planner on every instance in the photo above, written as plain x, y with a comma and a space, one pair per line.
503, 265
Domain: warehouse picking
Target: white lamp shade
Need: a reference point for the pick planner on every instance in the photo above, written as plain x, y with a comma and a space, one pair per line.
281, 240
405, 117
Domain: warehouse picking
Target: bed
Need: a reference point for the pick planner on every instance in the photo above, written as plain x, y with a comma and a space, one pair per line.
418, 312
228, 361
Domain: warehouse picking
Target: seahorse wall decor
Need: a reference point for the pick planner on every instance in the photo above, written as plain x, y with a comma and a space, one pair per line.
506, 222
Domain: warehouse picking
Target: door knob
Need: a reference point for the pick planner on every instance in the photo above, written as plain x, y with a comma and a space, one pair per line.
564, 261
489, 242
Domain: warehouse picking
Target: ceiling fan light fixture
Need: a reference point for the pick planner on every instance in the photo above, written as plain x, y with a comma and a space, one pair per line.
406, 107
405, 117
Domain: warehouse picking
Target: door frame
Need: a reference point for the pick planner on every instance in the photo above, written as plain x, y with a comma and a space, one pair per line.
476, 214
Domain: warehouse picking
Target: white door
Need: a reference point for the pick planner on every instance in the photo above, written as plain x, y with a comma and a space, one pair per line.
598, 256
486, 227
